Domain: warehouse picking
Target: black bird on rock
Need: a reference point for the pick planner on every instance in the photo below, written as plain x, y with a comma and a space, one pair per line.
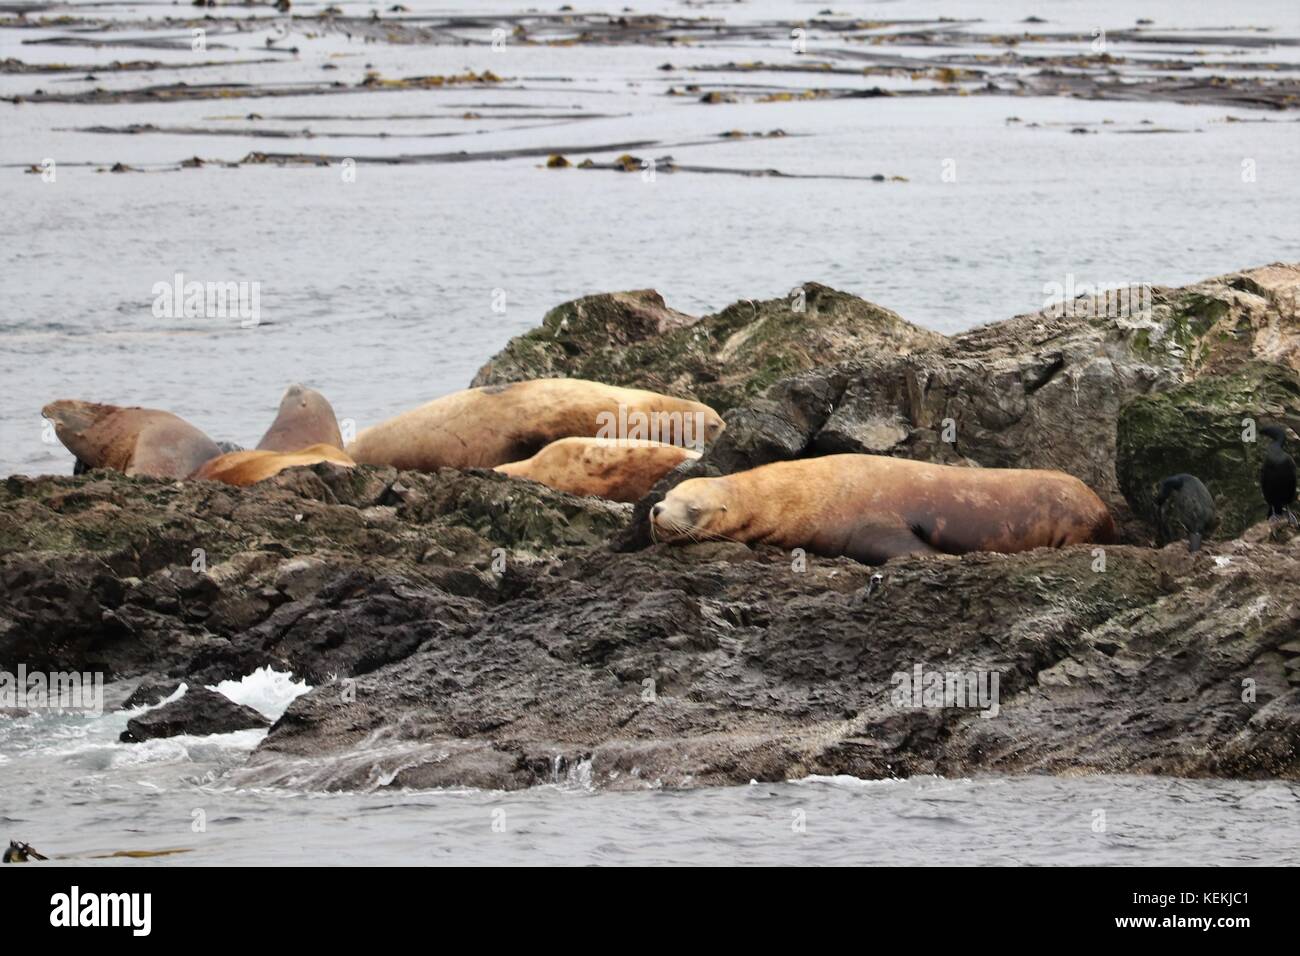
1185, 508
1277, 477
21, 852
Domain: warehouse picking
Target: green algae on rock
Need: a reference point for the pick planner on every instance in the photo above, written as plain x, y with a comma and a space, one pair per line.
132, 575
1207, 428
633, 339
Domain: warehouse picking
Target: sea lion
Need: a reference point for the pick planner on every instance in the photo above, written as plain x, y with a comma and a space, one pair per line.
1185, 508
1277, 476
602, 467
305, 418
244, 468
495, 424
79, 467
138, 441
873, 508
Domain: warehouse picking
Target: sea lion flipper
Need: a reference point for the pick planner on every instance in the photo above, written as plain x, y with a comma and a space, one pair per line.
876, 545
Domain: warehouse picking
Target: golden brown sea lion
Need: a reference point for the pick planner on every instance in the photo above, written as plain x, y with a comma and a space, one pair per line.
138, 441
305, 418
490, 426
873, 508
249, 467
603, 467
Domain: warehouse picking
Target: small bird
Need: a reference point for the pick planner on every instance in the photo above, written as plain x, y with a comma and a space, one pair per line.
1184, 507
1277, 477
21, 852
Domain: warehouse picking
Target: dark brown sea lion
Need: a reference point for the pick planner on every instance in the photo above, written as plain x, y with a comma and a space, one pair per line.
603, 467
873, 508
305, 418
249, 467
490, 426
138, 441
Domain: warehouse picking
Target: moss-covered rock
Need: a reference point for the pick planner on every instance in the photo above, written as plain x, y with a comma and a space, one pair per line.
1207, 428
633, 339
128, 575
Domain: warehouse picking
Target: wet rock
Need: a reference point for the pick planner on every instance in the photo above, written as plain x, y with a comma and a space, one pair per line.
717, 664
151, 691
354, 625
198, 712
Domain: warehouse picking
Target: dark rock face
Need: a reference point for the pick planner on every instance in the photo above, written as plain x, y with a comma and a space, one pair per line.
132, 576
467, 629
715, 664
151, 691
1208, 427
354, 625
199, 712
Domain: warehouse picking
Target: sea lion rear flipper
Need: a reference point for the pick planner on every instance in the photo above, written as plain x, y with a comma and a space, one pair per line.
876, 544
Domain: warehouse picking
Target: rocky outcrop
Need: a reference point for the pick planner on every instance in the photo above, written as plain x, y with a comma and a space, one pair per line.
1207, 427
633, 339
133, 575
151, 691
467, 629
198, 712
714, 664
1052, 389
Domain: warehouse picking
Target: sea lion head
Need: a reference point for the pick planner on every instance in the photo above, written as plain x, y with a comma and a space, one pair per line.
713, 426
696, 509
72, 417
305, 417
299, 398
75, 424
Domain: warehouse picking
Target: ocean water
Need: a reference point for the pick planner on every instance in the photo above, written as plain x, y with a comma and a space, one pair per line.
79, 796
392, 289
393, 286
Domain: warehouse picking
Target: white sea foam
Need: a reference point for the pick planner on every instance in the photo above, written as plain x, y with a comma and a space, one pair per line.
266, 691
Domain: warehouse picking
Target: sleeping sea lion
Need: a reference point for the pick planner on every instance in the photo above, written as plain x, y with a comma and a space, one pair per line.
490, 426
244, 468
873, 508
603, 467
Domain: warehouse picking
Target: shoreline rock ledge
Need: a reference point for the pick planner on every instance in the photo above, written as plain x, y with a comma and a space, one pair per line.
465, 629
